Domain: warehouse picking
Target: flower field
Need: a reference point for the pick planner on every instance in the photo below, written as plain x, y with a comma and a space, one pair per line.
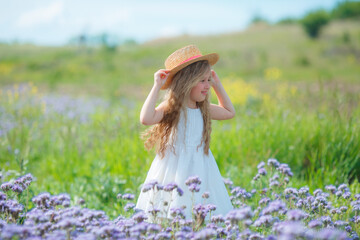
72, 162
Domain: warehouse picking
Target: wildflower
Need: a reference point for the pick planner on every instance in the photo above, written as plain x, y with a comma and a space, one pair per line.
265, 220
177, 212
291, 191
180, 191
205, 233
357, 196
285, 169
274, 184
227, 182
217, 219
261, 165
338, 193
343, 208
274, 206
273, 162
262, 171
17, 188
340, 223
331, 188
241, 214
169, 187
296, 215
128, 196
264, 201
315, 224
206, 195
194, 188
346, 195
154, 211
257, 176
292, 230
329, 233
129, 206
81, 201
193, 180
326, 220
343, 187
303, 190
140, 216
6, 186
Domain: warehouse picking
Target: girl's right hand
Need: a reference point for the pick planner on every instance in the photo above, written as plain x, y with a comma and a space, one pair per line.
160, 77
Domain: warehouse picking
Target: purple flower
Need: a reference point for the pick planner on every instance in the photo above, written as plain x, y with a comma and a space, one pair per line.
163, 235
206, 195
128, 196
329, 233
343, 187
177, 212
140, 216
303, 190
315, 224
273, 162
274, 184
265, 220
180, 191
241, 214
217, 219
264, 201
260, 165
274, 206
193, 180
227, 182
331, 188
289, 229
129, 206
262, 171
6, 186
194, 188
169, 187
291, 191
346, 195
296, 215
205, 233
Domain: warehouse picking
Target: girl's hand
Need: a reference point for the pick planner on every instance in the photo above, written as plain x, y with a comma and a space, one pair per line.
160, 77
215, 78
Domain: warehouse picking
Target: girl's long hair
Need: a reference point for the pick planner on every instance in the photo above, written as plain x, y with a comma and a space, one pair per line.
164, 133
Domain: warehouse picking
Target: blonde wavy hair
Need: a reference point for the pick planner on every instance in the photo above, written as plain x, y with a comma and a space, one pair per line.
177, 94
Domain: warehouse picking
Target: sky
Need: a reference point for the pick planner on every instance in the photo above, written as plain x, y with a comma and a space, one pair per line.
55, 22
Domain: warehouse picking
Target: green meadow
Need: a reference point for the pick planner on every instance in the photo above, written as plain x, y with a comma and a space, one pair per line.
70, 115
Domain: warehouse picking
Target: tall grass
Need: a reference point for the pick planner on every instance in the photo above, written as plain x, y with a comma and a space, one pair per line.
97, 153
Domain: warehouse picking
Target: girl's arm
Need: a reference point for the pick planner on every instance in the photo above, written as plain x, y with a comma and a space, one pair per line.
224, 110
150, 115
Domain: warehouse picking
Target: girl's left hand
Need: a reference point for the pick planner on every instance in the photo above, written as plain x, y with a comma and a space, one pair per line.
215, 78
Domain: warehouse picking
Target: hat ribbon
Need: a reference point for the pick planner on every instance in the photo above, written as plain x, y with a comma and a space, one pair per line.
189, 59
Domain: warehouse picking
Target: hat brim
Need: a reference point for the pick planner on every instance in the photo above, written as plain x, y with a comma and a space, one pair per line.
212, 58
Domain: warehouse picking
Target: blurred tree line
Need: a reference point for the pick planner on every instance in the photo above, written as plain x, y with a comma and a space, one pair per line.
314, 20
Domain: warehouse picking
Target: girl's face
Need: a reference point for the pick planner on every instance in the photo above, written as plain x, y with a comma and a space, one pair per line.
200, 91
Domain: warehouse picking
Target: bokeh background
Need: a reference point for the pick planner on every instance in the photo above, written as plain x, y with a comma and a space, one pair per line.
74, 75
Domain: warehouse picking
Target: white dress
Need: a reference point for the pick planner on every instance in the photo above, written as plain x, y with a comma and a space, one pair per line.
188, 161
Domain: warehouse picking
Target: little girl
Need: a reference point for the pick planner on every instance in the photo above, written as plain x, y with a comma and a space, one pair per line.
181, 132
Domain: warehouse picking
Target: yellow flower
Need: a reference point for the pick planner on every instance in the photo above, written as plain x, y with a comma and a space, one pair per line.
238, 90
272, 73
6, 68
34, 90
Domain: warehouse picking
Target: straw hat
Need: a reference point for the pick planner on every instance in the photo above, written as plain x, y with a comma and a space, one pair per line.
184, 57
